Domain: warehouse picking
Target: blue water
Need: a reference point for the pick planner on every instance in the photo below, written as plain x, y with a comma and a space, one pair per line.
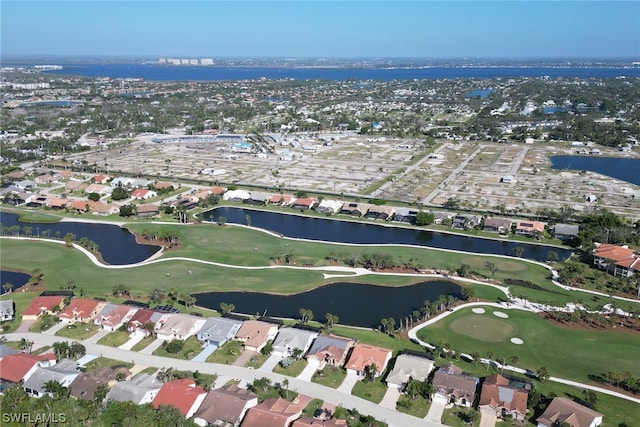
51, 104
552, 110
363, 233
480, 93
164, 72
623, 169
16, 279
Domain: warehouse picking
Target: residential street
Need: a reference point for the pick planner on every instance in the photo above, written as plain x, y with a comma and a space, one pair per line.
393, 418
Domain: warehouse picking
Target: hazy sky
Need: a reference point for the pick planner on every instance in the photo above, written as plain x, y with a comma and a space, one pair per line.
307, 28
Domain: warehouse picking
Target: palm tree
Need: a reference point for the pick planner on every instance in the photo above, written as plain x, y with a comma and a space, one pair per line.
61, 349
542, 373
476, 357
285, 384
489, 356
514, 361
7, 287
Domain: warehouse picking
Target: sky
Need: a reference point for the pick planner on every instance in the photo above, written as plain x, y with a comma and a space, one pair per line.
332, 29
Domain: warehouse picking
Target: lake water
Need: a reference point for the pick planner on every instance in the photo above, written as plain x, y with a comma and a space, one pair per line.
117, 245
354, 304
328, 230
16, 279
619, 168
164, 72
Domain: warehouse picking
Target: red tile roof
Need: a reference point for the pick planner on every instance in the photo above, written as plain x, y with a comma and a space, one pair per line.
614, 253
180, 393
38, 304
80, 307
491, 395
364, 355
13, 367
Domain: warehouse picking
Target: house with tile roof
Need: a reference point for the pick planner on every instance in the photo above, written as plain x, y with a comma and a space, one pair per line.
275, 412
225, 406
330, 349
363, 356
290, 339
563, 411
102, 190
115, 318
381, 212
140, 389
15, 368
81, 310
507, 400
315, 422
355, 209
456, 387
530, 228
178, 326
621, 261
409, 367
184, 394
86, 384
216, 331
143, 194
143, 316
304, 203
498, 225
281, 199
254, 334
64, 372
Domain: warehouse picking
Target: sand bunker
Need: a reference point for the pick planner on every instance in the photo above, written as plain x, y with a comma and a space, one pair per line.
517, 341
501, 314
478, 310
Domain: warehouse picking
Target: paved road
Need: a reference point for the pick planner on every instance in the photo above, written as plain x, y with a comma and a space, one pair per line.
452, 176
393, 418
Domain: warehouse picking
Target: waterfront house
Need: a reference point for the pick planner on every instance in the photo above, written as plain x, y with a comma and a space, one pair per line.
275, 412
216, 331
18, 367
254, 334
236, 195
141, 389
329, 206
81, 310
381, 212
465, 222
225, 406
497, 225
41, 305
290, 339
304, 203
405, 215
456, 387
7, 309
364, 356
621, 261
281, 199
257, 198
566, 231
63, 372
563, 411
409, 367
440, 218
183, 394
330, 349
179, 326
145, 211
355, 209
86, 384
530, 228
505, 398
101, 209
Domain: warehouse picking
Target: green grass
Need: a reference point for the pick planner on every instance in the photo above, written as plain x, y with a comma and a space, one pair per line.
143, 343
41, 350
114, 339
312, 407
454, 417
372, 391
329, 376
20, 299
256, 361
45, 323
377, 338
292, 370
79, 331
104, 362
191, 348
566, 353
418, 407
227, 354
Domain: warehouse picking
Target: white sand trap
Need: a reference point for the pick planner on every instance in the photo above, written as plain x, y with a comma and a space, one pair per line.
478, 310
501, 314
517, 341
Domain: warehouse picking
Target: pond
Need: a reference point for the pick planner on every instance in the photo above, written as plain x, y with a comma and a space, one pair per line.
329, 230
117, 245
354, 304
16, 279
615, 167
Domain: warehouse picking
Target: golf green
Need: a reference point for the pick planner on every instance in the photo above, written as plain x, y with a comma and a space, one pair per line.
483, 327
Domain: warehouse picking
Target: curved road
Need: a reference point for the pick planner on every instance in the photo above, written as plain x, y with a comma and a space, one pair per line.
393, 418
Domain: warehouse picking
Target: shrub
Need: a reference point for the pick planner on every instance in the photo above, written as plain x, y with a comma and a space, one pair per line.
174, 346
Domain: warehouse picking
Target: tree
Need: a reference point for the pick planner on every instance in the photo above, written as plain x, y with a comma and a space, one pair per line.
492, 267
261, 384
476, 357
463, 270
424, 218
552, 256
247, 217
127, 210
514, 361
94, 197
222, 221
306, 315
26, 345
174, 346
467, 293
120, 290
226, 308
388, 325
518, 251
590, 397
101, 392
76, 350
332, 319
285, 385
7, 287
370, 372
156, 295
267, 349
413, 388
68, 239
119, 193
61, 349
542, 373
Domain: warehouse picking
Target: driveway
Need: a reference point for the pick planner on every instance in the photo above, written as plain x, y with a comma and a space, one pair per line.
307, 373
25, 325
244, 358
436, 409
96, 337
133, 341
204, 354
487, 417
55, 328
390, 398
349, 381
152, 347
270, 363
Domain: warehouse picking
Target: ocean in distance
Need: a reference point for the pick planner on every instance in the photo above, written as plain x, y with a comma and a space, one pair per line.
202, 73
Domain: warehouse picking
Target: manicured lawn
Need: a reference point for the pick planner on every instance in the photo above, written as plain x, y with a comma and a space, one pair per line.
79, 331
20, 299
256, 361
114, 339
143, 343
418, 407
566, 353
102, 362
191, 348
377, 338
329, 376
41, 350
312, 407
372, 391
456, 417
292, 370
45, 323
227, 354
